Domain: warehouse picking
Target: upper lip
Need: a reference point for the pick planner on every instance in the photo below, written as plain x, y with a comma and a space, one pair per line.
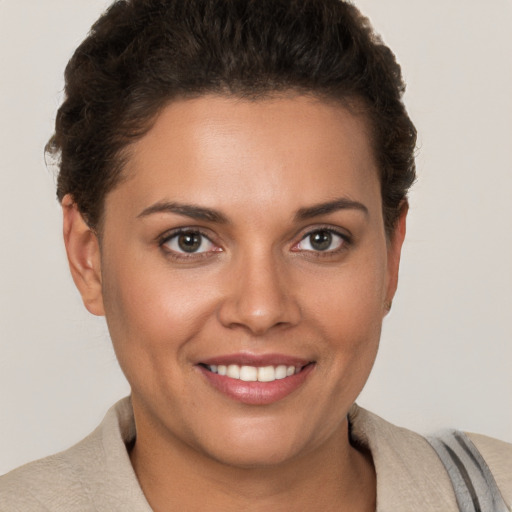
247, 359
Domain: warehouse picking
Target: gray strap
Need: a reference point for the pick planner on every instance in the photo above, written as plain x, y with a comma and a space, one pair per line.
472, 480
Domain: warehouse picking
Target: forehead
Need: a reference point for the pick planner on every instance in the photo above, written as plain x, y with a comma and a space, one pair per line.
213, 149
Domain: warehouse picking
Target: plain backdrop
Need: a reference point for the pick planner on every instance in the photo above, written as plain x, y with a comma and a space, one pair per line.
446, 351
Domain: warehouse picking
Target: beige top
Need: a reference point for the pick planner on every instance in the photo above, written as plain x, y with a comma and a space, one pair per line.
96, 474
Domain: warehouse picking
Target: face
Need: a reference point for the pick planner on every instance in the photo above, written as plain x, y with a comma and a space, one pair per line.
244, 274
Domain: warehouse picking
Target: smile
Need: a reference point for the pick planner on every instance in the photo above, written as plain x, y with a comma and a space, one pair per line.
261, 383
254, 373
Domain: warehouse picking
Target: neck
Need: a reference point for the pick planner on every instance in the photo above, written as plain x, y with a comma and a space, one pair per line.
175, 476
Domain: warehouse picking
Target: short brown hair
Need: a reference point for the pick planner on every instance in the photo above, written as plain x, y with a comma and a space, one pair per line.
141, 54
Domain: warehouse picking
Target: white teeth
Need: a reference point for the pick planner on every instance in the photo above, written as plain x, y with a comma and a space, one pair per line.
233, 371
249, 373
266, 374
253, 373
281, 371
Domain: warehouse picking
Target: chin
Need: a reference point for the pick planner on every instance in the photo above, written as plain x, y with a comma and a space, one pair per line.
253, 455
259, 442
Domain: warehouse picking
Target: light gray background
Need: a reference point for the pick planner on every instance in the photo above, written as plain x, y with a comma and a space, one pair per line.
446, 351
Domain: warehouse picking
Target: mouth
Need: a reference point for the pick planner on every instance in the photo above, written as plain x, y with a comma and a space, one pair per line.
247, 373
265, 381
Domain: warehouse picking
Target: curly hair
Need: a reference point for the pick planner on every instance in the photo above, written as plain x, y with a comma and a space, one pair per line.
141, 54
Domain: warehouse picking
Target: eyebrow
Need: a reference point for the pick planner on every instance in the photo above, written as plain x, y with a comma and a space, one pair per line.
341, 203
211, 215
188, 210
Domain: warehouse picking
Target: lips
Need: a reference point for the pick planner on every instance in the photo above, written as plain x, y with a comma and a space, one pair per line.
256, 379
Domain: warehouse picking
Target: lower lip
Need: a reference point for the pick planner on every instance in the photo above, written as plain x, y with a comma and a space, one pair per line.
257, 393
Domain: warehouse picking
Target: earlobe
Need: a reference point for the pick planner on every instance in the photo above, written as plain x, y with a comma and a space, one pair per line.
83, 251
394, 251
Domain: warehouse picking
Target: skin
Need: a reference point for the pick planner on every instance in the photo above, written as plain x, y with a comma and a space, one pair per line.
258, 286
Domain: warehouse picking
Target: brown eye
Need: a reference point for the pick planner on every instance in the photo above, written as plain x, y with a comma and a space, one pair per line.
189, 242
322, 240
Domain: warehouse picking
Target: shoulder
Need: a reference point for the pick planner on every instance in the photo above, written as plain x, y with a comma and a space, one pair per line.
55, 483
498, 456
410, 474
95, 474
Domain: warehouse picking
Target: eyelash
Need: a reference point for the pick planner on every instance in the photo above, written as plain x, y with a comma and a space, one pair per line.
346, 241
167, 237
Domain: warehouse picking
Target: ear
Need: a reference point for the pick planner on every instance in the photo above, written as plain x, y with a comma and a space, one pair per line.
394, 251
83, 250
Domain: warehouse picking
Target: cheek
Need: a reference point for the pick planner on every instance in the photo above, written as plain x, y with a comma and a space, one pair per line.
347, 308
152, 314
351, 323
351, 297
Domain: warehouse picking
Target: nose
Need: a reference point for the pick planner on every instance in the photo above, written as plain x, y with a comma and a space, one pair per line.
259, 296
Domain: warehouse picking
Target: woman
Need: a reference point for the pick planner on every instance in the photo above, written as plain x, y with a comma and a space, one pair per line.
234, 182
